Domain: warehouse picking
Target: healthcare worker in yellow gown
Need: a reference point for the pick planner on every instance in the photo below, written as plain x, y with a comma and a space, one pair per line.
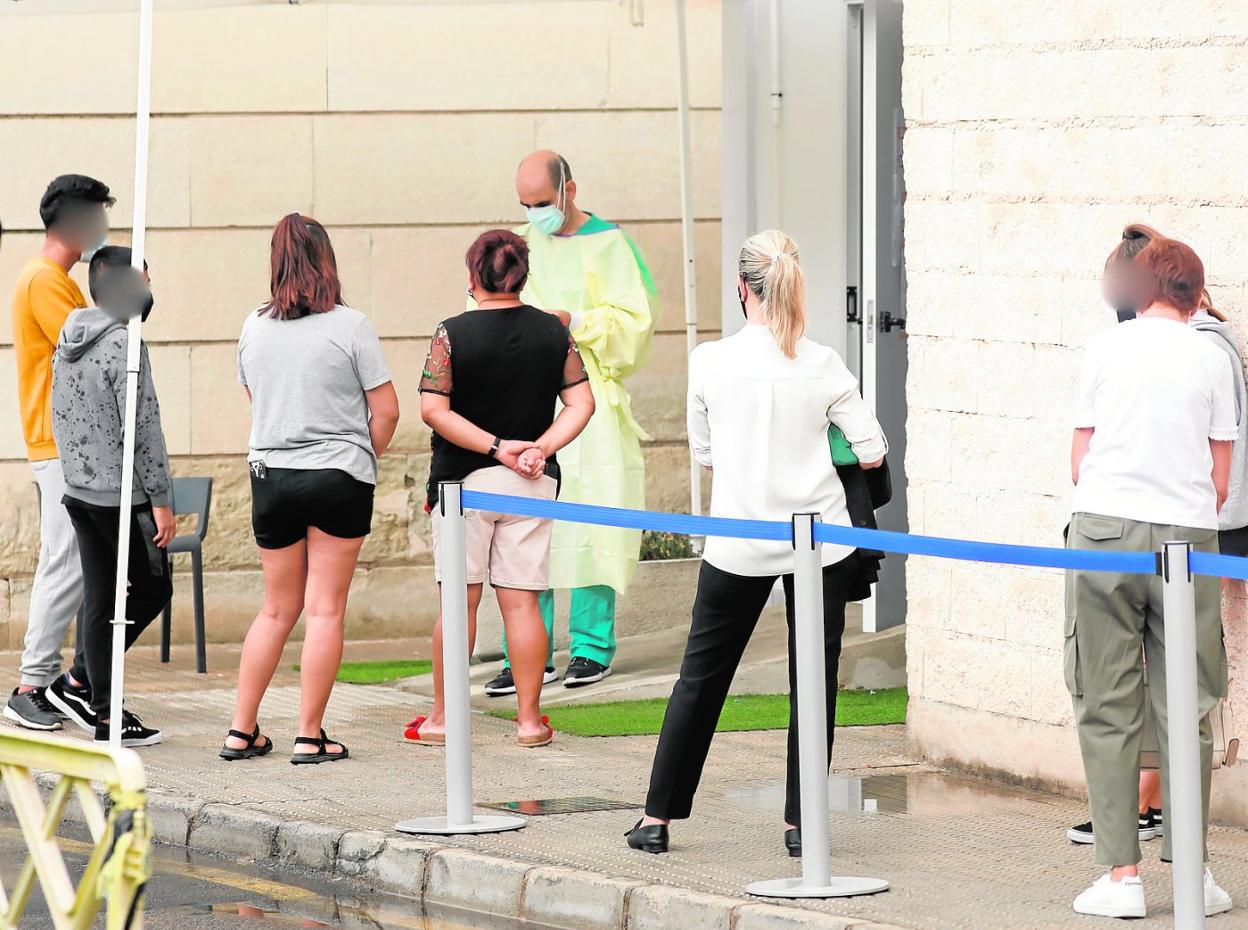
591, 275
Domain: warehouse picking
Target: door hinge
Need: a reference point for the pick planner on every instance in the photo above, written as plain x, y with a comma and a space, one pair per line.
888, 322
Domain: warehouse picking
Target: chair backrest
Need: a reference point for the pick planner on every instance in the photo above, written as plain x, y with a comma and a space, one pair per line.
193, 495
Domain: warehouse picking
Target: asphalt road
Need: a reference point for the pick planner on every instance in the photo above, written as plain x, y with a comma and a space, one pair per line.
204, 893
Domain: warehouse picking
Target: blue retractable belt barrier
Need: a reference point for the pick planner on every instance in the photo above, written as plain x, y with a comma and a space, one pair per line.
628, 519
1088, 560
1221, 566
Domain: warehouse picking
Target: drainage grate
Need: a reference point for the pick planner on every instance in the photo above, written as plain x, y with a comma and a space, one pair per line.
544, 806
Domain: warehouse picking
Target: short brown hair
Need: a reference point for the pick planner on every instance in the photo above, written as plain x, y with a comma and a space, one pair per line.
499, 261
303, 276
1175, 272
1135, 237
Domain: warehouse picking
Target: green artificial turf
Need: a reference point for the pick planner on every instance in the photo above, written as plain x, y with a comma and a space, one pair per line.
741, 712
377, 673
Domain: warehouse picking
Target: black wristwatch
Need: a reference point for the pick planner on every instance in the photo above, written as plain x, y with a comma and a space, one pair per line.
493, 453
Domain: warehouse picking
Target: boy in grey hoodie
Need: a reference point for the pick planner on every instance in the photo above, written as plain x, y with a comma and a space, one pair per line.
88, 400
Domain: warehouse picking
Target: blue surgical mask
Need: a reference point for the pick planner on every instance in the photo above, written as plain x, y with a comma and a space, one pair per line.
549, 219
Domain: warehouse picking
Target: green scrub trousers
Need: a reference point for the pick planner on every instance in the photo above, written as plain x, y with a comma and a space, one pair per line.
591, 625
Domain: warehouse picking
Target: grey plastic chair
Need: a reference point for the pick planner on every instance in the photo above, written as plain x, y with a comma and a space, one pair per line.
190, 495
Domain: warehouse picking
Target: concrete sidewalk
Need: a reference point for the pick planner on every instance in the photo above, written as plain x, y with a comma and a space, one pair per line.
959, 853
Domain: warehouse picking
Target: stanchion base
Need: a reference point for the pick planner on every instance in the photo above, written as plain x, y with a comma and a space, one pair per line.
439, 826
837, 887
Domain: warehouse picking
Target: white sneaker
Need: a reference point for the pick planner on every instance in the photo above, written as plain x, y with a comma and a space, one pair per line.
1108, 898
1217, 901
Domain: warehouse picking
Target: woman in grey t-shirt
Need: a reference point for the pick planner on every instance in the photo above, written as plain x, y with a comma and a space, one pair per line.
323, 410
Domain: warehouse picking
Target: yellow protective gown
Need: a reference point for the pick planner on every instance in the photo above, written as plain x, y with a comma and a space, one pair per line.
598, 274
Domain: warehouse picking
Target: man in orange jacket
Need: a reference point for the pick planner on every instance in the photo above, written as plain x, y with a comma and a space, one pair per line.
73, 213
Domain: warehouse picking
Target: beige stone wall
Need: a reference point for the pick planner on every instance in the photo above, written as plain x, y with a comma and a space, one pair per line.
400, 129
1035, 131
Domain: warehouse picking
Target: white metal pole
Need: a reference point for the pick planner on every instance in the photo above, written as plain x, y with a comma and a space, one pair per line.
142, 132
1185, 813
817, 880
686, 224
812, 685
455, 657
453, 570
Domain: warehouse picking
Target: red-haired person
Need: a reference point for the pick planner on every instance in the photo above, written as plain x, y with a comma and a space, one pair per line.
488, 392
1150, 459
323, 410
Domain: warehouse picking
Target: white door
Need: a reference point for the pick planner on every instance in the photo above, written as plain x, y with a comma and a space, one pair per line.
881, 292
811, 111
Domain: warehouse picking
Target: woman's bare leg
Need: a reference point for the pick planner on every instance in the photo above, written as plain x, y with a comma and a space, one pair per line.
285, 578
526, 647
1150, 790
436, 722
331, 566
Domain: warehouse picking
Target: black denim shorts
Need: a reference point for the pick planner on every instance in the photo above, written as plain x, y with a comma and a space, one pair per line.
286, 501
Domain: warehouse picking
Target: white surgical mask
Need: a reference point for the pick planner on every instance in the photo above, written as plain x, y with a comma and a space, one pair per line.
549, 219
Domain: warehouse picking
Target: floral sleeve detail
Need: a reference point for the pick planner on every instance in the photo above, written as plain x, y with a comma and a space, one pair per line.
436, 378
574, 372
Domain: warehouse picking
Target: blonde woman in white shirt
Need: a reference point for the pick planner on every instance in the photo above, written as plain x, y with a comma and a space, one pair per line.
759, 407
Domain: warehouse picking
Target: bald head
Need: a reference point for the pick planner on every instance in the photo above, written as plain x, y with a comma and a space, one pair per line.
539, 177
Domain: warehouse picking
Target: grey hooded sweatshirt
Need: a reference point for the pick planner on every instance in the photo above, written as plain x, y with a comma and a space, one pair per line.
1234, 512
88, 398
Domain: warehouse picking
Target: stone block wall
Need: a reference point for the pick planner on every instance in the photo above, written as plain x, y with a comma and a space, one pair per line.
398, 127
1034, 132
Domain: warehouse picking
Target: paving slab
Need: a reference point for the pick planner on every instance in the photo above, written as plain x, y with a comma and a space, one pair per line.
959, 852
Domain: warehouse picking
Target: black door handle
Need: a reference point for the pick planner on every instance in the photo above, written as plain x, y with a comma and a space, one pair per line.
851, 305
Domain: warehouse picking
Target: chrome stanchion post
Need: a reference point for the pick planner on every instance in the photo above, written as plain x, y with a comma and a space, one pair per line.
1184, 816
817, 880
453, 568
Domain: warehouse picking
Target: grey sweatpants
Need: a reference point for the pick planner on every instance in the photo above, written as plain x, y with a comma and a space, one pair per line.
1109, 617
56, 593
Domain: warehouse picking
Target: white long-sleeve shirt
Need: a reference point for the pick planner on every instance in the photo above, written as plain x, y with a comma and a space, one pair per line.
760, 420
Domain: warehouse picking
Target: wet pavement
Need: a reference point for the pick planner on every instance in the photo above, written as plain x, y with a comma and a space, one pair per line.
960, 852
200, 892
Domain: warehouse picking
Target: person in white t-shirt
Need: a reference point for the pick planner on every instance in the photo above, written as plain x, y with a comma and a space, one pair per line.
1151, 455
760, 405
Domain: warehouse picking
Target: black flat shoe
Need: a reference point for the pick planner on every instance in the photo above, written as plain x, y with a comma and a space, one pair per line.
230, 754
793, 842
322, 754
651, 839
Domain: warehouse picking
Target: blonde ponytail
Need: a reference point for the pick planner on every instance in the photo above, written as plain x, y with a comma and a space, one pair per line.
769, 266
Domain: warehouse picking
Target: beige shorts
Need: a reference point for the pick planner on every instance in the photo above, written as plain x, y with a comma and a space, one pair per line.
507, 551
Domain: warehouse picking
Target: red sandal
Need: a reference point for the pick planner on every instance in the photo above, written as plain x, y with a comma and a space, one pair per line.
412, 734
535, 742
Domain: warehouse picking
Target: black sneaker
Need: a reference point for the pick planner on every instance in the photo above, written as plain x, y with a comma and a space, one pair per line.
583, 671
1159, 823
1083, 833
30, 709
73, 703
133, 733
505, 683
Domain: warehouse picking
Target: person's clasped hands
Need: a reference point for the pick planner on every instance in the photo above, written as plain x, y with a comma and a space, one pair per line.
524, 458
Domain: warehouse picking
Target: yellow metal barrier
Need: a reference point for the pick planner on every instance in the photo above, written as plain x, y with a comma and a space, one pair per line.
118, 867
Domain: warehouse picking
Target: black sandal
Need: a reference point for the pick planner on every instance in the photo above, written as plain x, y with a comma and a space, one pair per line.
230, 754
315, 758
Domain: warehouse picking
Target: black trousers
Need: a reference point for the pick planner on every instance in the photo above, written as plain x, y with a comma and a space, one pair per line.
150, 589
725, 613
